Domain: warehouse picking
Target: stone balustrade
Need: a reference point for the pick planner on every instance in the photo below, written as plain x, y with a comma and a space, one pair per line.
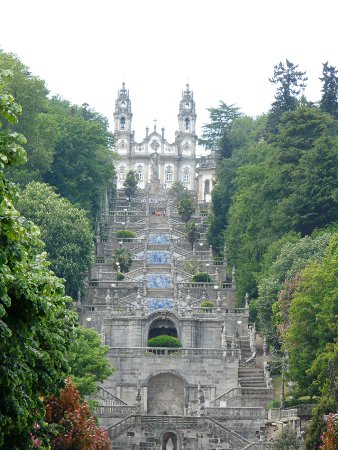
278, 414
132, 352
114, 410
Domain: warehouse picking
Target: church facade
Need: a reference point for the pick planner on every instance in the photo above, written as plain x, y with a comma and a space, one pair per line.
154, 159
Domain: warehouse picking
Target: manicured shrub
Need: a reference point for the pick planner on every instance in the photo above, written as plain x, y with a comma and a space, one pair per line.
125, 234
201, 277
119, 276
207, 304
164, 341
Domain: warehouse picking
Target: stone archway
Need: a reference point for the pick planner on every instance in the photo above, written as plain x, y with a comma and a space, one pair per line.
162, 326
169, 441
165, 395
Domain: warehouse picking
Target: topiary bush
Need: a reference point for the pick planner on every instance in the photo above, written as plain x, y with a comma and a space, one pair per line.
201, 277
119, 276
164, 341
125, 234
207, 304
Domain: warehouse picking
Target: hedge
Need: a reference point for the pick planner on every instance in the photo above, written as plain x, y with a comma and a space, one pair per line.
164, 341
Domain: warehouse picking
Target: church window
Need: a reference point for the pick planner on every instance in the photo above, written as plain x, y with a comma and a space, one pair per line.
186, 178
187, 123
139, 172
169, 177
121, 176
207, 187
122, 123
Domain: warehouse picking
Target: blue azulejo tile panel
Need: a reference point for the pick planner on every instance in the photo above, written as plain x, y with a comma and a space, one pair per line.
159, 281
155, 304
158, 257
159, 239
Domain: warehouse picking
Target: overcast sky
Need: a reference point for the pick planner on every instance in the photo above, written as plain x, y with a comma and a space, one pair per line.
225, 49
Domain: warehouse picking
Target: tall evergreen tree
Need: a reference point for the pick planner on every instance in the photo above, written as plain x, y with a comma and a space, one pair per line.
290, 83
329, 100
215, 135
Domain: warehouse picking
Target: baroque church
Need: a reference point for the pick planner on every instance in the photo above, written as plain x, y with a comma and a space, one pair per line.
210, 392
154, 158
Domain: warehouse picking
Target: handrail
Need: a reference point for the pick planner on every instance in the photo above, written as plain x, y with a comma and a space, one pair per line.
106, 394
222, 395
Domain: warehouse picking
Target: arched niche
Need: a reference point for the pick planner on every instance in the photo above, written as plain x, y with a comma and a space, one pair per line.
162, 326
165, 394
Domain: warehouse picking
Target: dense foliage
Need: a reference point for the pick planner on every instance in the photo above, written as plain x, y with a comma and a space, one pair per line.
275, 205
125, 234
122, 259
36, 320
87, 360
65, 230
201, 277
78, 429
130, 184
164, 341
191, 232
68, 146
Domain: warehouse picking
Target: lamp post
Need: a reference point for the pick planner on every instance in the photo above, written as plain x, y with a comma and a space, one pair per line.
125, 214
201, 245
123, 224
88, 320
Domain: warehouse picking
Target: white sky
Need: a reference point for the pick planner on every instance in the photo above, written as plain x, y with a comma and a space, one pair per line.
225, 49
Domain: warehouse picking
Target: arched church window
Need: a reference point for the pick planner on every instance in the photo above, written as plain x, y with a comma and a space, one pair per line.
139, 172
186, 175
207, 187
122, 123
168, 176
187, 123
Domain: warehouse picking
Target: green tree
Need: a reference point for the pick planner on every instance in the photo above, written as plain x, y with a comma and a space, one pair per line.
311, 336
87, 360
186, 207
122, 259
287, 439
215, 135
292, 257
191, 232
178, 190
290, 83
65, 230
82, 168
329, 100
317, 426
306, 152
130, 184
36, 320
39, 127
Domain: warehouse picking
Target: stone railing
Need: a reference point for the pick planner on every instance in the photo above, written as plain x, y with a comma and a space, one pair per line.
114, 410
132, 352
119, 428
278, 414
227, 396
245, 412
259, 446
106, 395
114, 283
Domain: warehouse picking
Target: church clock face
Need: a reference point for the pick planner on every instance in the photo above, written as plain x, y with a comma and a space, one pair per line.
123, 103
187, 105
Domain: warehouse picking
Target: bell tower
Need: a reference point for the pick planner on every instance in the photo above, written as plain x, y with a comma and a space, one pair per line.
123, 117
187, 112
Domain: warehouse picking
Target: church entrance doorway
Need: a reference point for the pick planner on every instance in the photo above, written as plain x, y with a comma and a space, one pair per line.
169, 441
165, 395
